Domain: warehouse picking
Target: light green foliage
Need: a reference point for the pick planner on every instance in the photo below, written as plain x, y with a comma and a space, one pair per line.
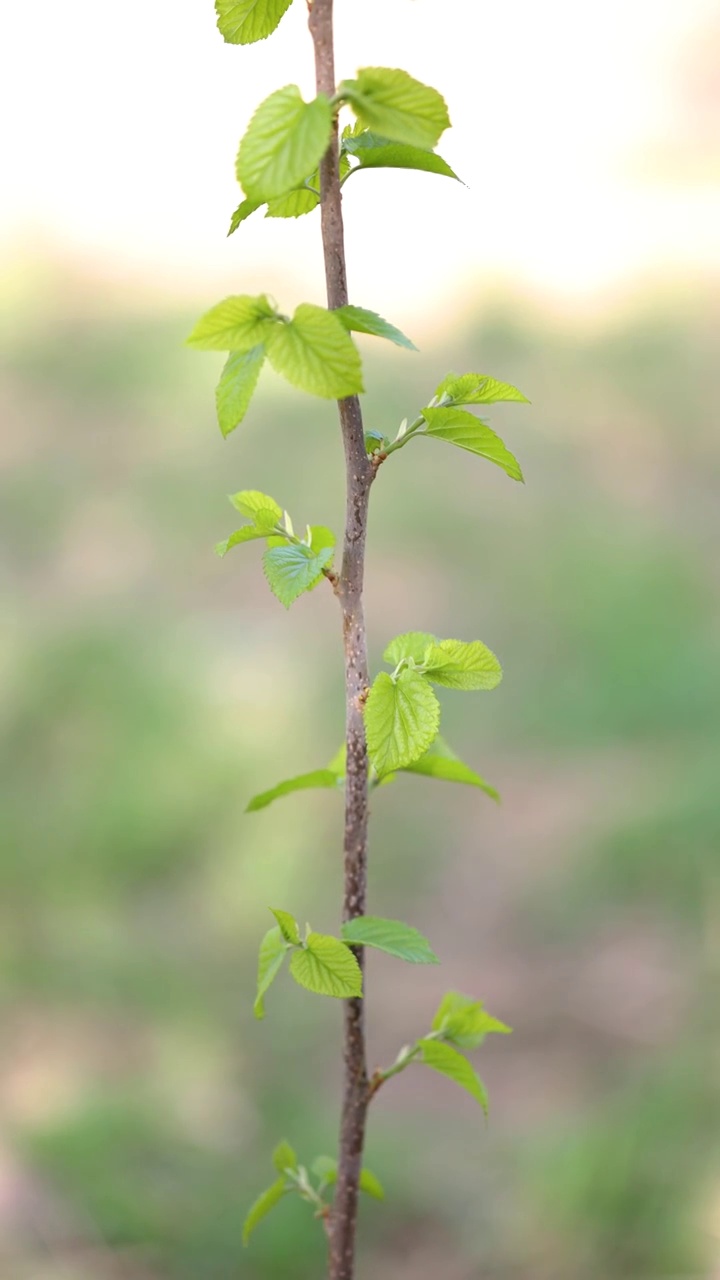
460, 665
397, 106
325, 1168
441, 762
270, 960
304, 782
372, 151
243, 211
315, 353
321, 538
288, 926
413, 644
402, 717
358, 320
284, 1157
293, 569
463, 429
238, 323
465, 1021
446, 1060
477, 388
327, 966
237, 384
245, 21
397, 939
258, 507
284, 142
262, 1207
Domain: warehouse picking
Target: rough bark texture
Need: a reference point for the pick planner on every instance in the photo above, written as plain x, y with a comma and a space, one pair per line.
360, 474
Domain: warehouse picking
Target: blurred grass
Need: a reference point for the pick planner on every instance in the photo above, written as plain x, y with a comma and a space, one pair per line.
149, 690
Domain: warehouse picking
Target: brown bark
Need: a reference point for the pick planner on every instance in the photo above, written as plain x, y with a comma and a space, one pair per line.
359, 476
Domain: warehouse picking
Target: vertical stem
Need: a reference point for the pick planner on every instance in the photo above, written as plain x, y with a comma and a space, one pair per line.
359, 475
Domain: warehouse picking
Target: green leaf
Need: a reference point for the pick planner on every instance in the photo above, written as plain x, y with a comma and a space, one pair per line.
236, 386
304, 782
285, 141
477, 388
338, 764
258, 507
238, 323
325, 1168
375, 152
262, 1206
284, 1157
465, 1021
446, 1060
459, 427
397, 939
293, 569
293, 205
242, 212
245, 21
321, 537
413, 644
358, 320
401, 720
397, 106
288, 926
270, 960
325, 965
247, 534
441, 762
460, 665
315, 353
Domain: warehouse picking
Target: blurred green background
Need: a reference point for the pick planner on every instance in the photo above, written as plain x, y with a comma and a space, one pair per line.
150, 689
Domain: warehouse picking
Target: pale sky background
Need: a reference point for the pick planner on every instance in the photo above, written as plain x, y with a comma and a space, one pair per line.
121, 124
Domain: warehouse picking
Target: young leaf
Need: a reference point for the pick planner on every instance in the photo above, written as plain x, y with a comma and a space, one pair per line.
397, 939
236, 386
397, 106
441, 762
401, 720
464, 1021
304, 782
238, 323
247, 534
358, 320
477, 388
325, 1168
321, 537
285, 141
288, 926
245, 21
243, 211
262, 1206
258, 507
293, 569
413, 644
375, 152
294, 204
459, 427
315, 353
284, 1157
270, 961
460, 665
326, 966
446, 1060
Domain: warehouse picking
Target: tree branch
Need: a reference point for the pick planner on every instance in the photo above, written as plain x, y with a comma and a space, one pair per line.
359, 476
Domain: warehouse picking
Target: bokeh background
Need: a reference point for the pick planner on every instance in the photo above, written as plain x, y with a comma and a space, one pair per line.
148, 689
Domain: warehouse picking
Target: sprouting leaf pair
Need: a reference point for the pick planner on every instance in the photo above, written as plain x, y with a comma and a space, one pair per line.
326, 965
402, 713
311, 1185
292, 565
